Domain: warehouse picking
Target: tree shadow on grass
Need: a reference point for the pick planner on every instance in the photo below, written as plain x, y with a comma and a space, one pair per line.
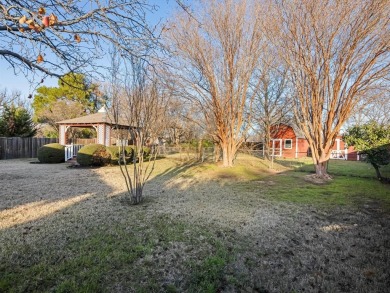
23, 183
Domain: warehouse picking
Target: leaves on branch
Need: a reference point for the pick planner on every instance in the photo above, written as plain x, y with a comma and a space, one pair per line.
23, 19
52, 19
40, 58
46, 21
41, 10
37, 28
123, 25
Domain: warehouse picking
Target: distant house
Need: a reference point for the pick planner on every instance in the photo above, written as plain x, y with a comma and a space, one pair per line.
288, 141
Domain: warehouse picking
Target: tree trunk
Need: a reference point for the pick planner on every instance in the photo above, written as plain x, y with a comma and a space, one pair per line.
217, 152
378, 173
321, 169
225, 159
228, 154
267, 141
200, 150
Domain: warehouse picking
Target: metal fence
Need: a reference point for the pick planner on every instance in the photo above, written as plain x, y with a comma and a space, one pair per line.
18, 147
187, 153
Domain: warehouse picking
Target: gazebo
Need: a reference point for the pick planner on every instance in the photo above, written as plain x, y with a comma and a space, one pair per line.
102, 122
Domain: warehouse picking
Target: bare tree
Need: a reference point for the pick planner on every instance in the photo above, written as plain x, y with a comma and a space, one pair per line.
137, 100
216, 52
273, 99
338, 54
56, 37
377, 110
8, 98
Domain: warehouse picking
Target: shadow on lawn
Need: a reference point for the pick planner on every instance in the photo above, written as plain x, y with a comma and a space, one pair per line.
24, 184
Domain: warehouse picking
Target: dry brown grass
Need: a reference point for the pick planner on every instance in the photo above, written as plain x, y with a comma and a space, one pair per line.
273, 246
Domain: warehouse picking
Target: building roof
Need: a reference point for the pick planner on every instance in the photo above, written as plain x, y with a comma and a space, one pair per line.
101, 117
298, 132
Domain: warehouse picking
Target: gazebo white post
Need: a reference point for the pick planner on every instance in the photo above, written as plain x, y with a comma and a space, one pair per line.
62, 139
108, 135
100, 134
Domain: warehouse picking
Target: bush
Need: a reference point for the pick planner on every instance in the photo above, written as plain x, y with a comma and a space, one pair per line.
146, 151
93, 155
51, 153
115, 153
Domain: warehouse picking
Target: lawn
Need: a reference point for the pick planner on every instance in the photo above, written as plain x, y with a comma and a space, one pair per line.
201, 228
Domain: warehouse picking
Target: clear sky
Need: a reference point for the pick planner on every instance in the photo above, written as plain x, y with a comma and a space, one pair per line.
18, 81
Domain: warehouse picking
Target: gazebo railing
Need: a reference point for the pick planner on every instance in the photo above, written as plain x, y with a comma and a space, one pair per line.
71, 150
339, 154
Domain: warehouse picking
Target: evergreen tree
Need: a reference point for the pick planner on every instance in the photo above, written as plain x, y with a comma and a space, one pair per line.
16, 121
373, 141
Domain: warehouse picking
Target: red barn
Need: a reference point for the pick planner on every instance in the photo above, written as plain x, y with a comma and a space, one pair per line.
289, 142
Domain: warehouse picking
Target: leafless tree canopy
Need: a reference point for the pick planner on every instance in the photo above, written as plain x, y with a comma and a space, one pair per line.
273, 103
217, 51
338, 54
8, 98
377, 110
137, 99
57, 37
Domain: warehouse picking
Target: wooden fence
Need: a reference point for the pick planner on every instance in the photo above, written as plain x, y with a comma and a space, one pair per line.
17, 147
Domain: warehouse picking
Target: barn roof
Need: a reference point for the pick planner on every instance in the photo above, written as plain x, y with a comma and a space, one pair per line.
298, 132
101, 117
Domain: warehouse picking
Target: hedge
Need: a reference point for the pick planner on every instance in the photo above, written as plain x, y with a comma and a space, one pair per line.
51, 153
93, 155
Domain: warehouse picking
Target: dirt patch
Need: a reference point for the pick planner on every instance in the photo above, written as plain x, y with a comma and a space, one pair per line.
315, 179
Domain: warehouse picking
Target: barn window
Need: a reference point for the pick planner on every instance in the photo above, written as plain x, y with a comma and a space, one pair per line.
288, 143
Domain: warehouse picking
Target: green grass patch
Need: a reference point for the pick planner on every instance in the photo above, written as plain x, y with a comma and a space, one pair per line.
336, 167
245, 168
208, 274
130, 253
341, 191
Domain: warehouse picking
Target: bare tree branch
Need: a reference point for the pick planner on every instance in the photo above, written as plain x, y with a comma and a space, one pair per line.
56, 37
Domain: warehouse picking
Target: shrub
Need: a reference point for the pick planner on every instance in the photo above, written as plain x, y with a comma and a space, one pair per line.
115, 153
93, 155
146, 151
51, 153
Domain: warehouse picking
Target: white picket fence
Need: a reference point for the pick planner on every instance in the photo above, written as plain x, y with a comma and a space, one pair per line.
71, 150
339, 154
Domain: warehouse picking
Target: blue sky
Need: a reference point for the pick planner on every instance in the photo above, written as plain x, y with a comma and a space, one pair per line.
17, 81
